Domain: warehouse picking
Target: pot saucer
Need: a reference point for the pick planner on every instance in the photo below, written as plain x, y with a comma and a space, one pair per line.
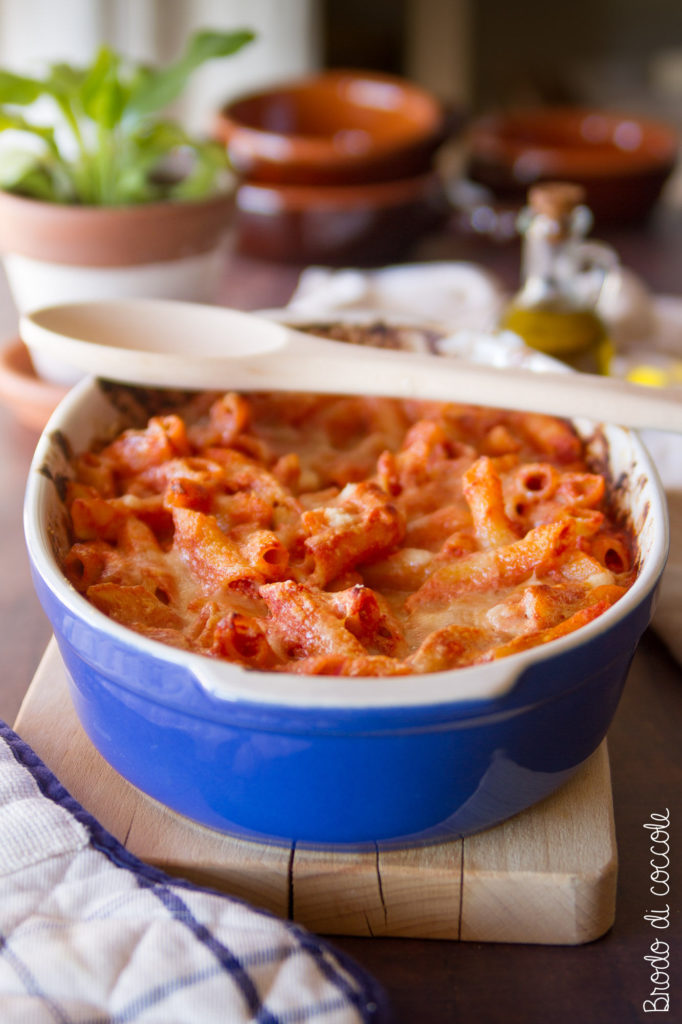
31, 399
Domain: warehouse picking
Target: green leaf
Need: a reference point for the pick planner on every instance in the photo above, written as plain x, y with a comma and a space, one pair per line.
131, 169
118, 153
64, 80
19, 90
15, 122
24, 172
101, 94
15, 165
164, 86
207, 44
166, 135
209, 172
133, 186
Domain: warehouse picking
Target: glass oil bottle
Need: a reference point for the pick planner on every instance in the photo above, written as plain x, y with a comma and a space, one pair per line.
562, 274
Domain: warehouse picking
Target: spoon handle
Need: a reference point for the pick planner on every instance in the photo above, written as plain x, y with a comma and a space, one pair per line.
162, 343
411, 375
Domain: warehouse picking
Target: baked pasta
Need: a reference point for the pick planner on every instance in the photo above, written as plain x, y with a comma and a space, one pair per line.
346, 536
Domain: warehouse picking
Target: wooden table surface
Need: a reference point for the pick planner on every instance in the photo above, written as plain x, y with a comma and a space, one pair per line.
431, 982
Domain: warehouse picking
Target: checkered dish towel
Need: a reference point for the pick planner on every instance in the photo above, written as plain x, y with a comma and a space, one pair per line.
90, 934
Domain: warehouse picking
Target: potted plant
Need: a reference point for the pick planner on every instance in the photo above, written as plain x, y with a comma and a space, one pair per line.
106, 196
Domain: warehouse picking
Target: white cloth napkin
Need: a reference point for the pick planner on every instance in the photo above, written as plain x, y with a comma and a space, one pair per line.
90, 934
467, 300
461, 295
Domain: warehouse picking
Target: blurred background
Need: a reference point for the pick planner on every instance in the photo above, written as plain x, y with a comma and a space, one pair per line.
477, 55
481, 54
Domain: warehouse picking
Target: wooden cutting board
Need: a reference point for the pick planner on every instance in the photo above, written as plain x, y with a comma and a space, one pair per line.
546, 876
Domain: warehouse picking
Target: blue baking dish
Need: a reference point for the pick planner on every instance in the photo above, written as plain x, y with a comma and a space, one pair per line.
327, 761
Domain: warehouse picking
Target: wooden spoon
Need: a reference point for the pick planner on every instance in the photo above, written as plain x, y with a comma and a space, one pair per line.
163, 343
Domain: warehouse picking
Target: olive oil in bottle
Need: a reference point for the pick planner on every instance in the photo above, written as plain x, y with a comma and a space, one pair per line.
554, 311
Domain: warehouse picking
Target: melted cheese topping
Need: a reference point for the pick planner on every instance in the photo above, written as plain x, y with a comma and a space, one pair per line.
340, 535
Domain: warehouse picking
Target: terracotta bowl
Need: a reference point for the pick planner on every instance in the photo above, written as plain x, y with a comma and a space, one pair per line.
336, 127
360, 224
622, 161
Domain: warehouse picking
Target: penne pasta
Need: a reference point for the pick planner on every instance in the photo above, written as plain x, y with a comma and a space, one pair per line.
346, 536
360, 526
210, 555
541, 550
485, 497
302, 625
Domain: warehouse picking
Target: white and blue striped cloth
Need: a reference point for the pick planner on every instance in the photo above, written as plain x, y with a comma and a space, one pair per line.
90, 935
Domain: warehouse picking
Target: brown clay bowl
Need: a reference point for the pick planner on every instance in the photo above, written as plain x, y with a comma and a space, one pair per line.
337, 224
336, 127
622, 161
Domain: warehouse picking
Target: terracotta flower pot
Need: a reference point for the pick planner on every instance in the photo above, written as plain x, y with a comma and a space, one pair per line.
59, 253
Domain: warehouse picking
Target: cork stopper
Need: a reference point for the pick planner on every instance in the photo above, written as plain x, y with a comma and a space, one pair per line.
556, 199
